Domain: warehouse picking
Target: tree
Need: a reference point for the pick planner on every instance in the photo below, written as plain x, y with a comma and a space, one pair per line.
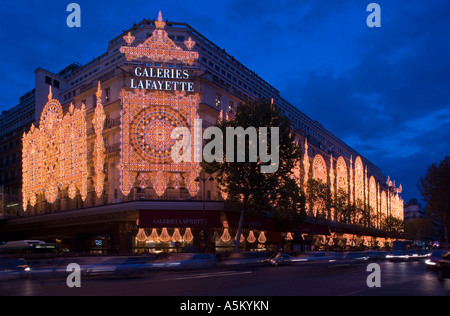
419, 229
435, 190
248, 188
341, 205
319, 198
392, 225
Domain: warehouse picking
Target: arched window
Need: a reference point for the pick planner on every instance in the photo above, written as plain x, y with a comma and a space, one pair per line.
359, 180
320, 169
342, 174
384, 208
373, 194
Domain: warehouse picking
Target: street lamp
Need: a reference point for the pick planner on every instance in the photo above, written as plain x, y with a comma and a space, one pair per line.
204, 179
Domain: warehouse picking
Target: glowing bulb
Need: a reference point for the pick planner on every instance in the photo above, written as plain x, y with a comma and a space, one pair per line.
226, 235
153, 236
188, 237
242, 239
251, 237
141, 236
262, 238
176, 235
164, 237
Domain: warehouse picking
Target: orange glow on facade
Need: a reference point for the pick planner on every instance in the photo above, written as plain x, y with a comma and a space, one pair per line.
359, 180
55, 154
319, 169
342, 174
148, 120
159, 47
99, 147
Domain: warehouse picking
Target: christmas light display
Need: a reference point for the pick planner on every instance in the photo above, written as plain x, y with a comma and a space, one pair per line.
342, 174
226, 237
251, 237
54, 155
352, 184
332, 176
99, 146
148, 120
384, 207
188, 237
176, 235
373, 194
366, 186
153, 238
306, 164
159, 47
147, 124
242, 239
164, 237
319, 169
141, 236
262, 238
359, 180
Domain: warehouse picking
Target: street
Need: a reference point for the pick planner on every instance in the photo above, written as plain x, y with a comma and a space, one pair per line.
397, 279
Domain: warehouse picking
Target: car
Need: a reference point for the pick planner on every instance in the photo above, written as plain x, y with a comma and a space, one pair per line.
374, 255
356, 257
120, 266
397, 255
444, 267
318, 258
416, 255
47, 269
11, 269
434, 259
243, 260
186, 261
280, 260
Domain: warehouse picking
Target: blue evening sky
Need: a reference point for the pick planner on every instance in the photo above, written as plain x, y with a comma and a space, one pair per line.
384, 91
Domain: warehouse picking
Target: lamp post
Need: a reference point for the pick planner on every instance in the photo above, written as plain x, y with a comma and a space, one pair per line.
204, 179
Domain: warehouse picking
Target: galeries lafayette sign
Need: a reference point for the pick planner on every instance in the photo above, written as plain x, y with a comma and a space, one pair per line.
161, 79
179, 219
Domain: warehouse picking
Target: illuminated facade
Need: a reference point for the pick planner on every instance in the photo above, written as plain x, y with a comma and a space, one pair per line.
55, 154
98, 168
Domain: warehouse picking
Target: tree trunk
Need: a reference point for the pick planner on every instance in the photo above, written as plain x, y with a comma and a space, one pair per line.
237, 242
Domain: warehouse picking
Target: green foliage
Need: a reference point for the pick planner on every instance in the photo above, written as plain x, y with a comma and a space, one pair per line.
435, 190
249, 189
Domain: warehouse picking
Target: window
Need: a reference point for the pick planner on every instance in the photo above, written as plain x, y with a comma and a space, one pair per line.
218, 101
231, 107
107, 94
56, 84
48, 80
